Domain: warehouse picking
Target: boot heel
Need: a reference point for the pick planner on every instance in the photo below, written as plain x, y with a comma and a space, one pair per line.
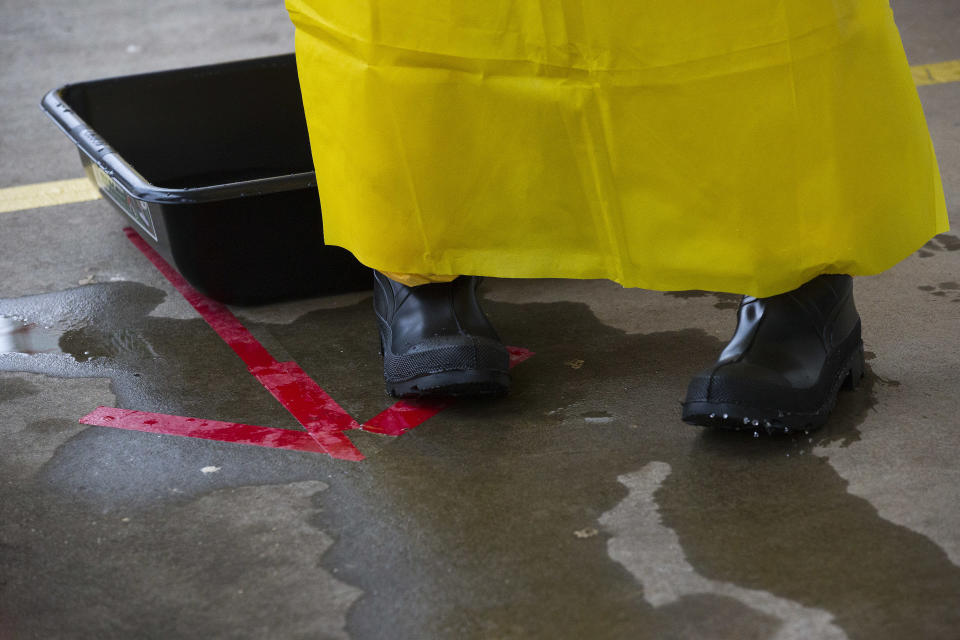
856, 369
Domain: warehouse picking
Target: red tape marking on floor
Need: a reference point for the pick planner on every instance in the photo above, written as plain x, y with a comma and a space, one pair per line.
206, 429
518, 355
325, 421
407, 414
320, 415
404, 415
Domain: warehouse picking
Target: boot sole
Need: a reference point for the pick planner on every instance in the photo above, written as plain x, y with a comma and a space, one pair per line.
452, 384
737, 417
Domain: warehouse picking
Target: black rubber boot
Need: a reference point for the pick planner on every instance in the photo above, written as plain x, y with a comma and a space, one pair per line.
436, 340
786, 362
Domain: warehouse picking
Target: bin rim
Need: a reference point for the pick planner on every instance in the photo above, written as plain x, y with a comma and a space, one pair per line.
100, 154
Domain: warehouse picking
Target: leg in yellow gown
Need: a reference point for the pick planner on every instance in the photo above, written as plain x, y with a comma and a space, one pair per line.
750, 147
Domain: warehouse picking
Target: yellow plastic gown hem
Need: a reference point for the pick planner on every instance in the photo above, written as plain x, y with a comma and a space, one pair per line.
740, 146
417, 279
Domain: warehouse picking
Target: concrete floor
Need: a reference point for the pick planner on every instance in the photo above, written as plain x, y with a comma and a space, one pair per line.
580, 506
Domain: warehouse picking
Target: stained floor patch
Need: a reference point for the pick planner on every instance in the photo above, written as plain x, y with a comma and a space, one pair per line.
939, 243
723, 300
746, 517
652, 553
253, 572
489, 534
947, 290
466, 526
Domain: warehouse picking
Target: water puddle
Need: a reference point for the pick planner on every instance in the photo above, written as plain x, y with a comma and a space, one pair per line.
30, 338
20, 336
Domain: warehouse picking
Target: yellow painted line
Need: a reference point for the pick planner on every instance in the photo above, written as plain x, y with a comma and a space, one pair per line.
939, 73
47, 194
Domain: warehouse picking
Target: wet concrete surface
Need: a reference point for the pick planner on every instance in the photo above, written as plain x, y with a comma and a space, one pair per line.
578, 506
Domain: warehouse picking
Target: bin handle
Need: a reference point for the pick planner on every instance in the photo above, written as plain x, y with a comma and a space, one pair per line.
93, 144
71, 124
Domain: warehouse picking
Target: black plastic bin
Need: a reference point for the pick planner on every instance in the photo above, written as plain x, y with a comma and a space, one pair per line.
213, 166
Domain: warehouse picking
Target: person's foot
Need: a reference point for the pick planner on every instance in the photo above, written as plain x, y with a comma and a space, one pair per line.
436, 340
786, 362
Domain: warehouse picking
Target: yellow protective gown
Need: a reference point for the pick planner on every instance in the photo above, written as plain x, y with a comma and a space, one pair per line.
742, 146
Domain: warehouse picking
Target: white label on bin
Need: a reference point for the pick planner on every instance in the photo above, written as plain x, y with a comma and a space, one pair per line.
136, 210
